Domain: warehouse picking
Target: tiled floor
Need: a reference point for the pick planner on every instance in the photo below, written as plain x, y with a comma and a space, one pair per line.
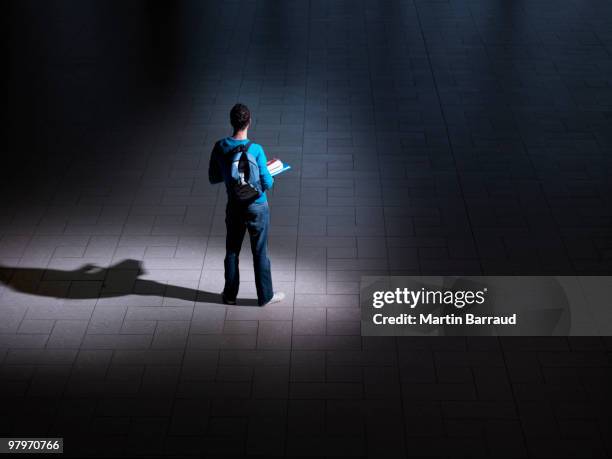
431, 137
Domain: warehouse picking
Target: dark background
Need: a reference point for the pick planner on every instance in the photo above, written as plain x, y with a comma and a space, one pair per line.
426, 137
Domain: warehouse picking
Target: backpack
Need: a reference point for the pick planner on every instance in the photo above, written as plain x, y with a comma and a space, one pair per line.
244, 185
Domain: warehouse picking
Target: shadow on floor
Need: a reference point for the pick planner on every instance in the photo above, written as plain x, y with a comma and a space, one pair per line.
91, 281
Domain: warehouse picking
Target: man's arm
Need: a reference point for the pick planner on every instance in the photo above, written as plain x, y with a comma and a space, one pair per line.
214, 171
264, 174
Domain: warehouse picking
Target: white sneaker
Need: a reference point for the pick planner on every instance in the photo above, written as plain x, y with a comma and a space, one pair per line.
278, 297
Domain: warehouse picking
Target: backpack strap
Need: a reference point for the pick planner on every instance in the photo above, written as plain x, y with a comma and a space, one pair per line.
242, 148
216, 147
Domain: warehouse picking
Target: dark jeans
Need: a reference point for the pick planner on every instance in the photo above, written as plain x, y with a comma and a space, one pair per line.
256, 219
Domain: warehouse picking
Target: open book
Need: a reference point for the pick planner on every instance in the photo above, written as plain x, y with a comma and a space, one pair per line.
276, 166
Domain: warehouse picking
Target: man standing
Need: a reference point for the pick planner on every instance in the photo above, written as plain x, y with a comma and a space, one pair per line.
240, 216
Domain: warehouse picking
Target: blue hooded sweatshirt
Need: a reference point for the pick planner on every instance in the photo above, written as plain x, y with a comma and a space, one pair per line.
215, 171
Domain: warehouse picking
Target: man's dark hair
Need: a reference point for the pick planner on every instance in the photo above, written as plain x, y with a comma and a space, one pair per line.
240, 116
